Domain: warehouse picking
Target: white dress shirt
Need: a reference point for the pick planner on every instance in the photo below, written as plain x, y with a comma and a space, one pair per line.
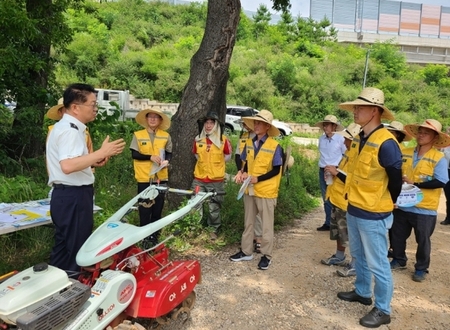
331, 149
67, 140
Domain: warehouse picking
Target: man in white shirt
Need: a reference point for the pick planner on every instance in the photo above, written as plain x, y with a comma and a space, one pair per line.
331, 149
69, 166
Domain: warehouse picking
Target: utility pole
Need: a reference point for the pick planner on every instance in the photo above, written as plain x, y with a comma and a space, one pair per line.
366, 66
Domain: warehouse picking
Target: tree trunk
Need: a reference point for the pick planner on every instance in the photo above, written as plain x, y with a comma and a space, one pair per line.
206, 88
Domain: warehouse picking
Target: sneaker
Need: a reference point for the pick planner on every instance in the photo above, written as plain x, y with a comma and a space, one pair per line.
445, 222
390, 254
264, 263
347, 271
419, 275
395, 265
241, 256
333, 260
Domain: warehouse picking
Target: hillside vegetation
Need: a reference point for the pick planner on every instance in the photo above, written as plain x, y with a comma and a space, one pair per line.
295, 68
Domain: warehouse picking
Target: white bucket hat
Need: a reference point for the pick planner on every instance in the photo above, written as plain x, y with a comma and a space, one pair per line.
443, 140
369, 96
330, 119
264, 116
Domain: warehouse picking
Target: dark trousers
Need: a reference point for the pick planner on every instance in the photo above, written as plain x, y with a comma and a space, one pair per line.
326, 202
423, 226
72, 214
447, 197
150, 214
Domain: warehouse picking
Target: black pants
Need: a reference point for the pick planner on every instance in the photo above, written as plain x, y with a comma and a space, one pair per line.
151, 214
423, 226
447, 197
71, 208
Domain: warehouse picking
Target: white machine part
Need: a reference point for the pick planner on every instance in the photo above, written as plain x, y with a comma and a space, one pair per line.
29, 288
110, 295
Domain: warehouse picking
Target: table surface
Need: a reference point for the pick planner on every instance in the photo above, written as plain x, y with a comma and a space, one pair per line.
17, 216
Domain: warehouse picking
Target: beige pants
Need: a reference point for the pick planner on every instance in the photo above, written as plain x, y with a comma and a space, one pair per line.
264, 207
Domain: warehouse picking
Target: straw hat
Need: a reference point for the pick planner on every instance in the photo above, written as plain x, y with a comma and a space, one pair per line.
444, 139
398, 127
369, 96
351, 131
55, 112
264, 116
141, 118
330, 119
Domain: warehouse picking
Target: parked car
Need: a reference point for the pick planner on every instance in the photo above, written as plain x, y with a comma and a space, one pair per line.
235, 112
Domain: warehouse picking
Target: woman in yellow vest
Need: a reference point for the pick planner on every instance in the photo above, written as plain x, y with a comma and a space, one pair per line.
426, 168
151, 150
212, 149
262, 156
335, 194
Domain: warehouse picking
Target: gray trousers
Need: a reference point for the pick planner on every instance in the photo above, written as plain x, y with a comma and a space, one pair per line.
215, 204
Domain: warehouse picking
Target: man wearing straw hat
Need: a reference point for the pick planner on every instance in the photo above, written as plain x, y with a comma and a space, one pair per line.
331, 149
212, 149
426, 168
151, 150
373, 184
69, 166
262, 157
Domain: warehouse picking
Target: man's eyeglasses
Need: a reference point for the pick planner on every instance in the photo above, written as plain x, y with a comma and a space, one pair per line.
95, 105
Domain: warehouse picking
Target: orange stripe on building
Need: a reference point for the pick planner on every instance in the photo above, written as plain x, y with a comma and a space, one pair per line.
430, 21
445, 29
409, 26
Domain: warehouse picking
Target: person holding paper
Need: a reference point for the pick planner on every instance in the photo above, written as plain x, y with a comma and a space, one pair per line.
335, 195
262, 156
426, 168
151, 150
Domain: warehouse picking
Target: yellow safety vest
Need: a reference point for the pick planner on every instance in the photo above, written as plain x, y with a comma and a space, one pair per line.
211, 162
425, 166
335, 191
242, 140
261, 165
146, 147
367, 181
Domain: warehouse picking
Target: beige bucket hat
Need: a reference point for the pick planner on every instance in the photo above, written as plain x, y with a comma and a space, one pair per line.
55, 112
433, 124
264, 116
141, 118
330, 119
369, 96
398, 127
351, 131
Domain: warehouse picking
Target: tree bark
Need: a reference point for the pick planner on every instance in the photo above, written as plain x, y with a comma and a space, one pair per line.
205, 89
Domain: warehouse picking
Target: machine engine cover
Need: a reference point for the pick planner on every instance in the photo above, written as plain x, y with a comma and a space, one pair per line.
30, 288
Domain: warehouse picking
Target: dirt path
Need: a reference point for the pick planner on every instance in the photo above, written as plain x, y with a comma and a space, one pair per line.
297, 292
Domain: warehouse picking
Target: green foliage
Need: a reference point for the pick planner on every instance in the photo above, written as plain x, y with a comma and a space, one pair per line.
387, 54
435, 74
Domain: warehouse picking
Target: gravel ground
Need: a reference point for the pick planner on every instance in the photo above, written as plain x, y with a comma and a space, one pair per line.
298, 292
